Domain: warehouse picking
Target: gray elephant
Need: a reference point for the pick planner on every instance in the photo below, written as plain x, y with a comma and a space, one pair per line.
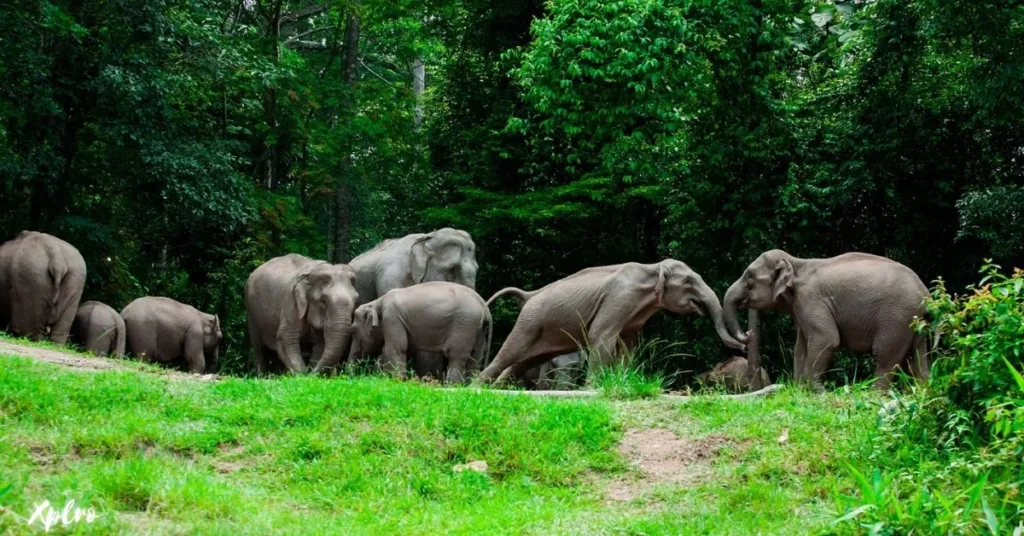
560, 373
99, 329
442, 255
600, 306
858, 301
41, 283
732, 373
441, 317
297, 305
166, 331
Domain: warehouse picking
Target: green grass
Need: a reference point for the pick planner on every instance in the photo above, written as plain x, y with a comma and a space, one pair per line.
159, 455
626, 382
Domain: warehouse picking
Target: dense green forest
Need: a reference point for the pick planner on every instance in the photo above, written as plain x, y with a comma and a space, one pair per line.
180, 143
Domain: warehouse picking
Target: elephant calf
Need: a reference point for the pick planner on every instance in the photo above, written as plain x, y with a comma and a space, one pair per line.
162, 330
732, 373
430, 317
99, 329
41, 283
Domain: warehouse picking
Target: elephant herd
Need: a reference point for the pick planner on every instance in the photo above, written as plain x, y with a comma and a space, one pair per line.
414, 297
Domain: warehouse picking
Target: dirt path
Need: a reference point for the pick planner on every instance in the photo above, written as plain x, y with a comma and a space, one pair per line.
82, 363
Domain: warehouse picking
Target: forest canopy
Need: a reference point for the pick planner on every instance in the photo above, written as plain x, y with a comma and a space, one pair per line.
180, 144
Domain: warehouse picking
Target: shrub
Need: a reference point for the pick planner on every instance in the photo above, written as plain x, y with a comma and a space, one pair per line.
948, 459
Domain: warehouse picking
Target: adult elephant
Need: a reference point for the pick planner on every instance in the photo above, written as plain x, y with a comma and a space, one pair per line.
602, 306
166, 331
562, 372
41, 283
295, 304
858, 301
99, 329
437, 316
443, 255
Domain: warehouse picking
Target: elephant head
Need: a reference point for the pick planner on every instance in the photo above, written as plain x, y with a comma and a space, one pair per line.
683, 291
367, 336
765, 285
445, 255
322, 299
212, 336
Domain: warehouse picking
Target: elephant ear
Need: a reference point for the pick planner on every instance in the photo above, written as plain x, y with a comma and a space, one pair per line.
783, 279
420, 257
299, 296
370, 316
659, 288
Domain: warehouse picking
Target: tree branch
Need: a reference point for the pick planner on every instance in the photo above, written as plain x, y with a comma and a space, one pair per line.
304, 13
306, 33
305, 45
374, 73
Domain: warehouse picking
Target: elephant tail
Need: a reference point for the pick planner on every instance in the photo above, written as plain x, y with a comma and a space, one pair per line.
521, 295
483, 345
58, 270
119, 339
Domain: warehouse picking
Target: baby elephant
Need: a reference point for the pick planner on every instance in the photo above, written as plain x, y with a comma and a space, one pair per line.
166, 331
732, 373
99, 329
429, 317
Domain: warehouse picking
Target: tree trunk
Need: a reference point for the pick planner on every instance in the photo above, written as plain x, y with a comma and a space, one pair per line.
271, 150
418, 85
343, 182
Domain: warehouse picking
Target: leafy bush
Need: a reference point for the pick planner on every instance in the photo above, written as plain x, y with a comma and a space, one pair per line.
948, 456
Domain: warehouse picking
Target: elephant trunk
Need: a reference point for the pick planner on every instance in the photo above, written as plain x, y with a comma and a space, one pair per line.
715, 311
730, 304
336, 341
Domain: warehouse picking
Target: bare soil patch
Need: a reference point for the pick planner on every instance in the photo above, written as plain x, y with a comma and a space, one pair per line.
661, 457
89, 364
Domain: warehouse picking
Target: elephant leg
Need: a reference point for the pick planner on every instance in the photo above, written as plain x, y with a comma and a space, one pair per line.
799, 355
28, 314
605, 345
429, 364
919, 364
512, 352
259, 351
457, 366
292, 360
396, 348
822, 341
259, 358
889, 350
194, 356
70, 295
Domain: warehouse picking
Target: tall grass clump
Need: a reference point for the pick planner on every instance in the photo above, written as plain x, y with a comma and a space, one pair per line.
946, 457
635, 374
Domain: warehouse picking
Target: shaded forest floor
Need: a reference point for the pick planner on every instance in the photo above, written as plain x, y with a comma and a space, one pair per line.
367, 455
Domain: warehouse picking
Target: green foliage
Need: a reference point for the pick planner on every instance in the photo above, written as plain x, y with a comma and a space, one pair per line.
972, 409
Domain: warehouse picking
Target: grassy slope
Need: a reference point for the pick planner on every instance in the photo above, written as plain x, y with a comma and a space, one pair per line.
367, 455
